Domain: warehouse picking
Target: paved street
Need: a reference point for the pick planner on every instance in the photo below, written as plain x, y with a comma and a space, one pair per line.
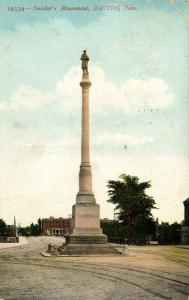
144, 273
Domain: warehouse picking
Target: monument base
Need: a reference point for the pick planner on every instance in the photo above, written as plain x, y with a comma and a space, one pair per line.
86, 239
86, 223
89, 249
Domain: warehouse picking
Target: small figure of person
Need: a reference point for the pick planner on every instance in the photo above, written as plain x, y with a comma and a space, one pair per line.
84, 64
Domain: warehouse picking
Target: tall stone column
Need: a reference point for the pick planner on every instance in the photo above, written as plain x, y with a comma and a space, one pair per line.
86, 213
85, 194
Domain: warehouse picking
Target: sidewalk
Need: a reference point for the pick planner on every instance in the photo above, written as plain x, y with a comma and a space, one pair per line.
184, 247
22, 241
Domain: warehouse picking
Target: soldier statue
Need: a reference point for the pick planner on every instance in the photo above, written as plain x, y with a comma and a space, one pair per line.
84, 64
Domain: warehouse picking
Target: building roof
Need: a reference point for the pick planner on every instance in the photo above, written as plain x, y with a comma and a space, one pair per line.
106, 220
55, 219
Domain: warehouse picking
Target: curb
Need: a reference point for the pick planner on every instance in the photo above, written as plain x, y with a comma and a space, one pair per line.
45, 254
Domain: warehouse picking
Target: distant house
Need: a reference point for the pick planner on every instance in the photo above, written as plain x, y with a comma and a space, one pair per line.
185, 226
56, 226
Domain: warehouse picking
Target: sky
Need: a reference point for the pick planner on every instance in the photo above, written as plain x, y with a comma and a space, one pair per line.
138, 103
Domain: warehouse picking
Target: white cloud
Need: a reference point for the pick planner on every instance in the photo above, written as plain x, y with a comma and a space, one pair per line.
71, 140
64, 141
131, 95
28, 97
68, 90
102, 92
3, 106
119, 138
152, 93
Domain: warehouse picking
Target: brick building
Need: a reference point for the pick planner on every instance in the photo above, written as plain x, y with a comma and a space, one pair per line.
56, 226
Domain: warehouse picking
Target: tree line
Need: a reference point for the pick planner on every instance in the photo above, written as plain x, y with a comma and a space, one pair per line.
33, 229
9, 230
168, 234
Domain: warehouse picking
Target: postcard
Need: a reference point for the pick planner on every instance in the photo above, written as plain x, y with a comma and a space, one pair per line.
136, 121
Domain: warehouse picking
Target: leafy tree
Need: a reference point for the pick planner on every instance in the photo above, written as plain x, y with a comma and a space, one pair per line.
144, 228
169, 234
164, 233
10, 230
6, 230
3, 228
39, 226
25, 231
33, 229
133, 204
175, 232
115, 231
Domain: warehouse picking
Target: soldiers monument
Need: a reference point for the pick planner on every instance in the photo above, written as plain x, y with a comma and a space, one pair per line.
86, 212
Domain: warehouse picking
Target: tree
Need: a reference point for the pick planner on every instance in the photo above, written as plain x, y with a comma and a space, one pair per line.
175, 232
115, 231
132, 202
25, 231
6, 230
10, 230
144, 228
3, 228
39, 226
33, 229
169, 233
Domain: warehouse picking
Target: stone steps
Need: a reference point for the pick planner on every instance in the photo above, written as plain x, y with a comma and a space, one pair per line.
90, 249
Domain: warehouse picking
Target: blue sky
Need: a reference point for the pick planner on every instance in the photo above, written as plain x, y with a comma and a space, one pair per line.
139, 98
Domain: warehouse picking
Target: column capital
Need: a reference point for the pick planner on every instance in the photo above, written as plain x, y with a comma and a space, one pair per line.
85, 82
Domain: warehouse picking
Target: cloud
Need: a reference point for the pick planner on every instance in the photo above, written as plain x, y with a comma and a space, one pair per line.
72, 140
3, 106
28, 97
64, 141
102, 92
69, 90
119, 139
152, 93
131, 95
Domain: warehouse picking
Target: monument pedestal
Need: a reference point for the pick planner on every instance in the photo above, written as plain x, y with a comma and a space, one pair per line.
86, 223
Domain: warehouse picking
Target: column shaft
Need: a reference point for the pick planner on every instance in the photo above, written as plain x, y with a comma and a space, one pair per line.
85, 175
85, 126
